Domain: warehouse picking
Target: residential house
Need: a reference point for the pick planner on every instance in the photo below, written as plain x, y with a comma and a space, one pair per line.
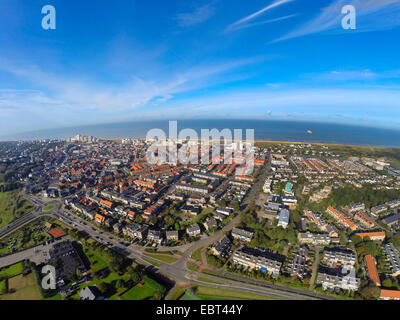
193, 230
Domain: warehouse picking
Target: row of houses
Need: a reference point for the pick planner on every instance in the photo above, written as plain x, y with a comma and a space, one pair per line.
341, 218
143, 232
393, 259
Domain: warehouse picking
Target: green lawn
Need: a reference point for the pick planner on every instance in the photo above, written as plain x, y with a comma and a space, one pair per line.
2, 285
12, 206
11, 271
152, 262
109, 279
22, 288
197, 255
96, 262
208, 280
178, 292
49, 207
143, 291
189, 295
210, 293
192, 266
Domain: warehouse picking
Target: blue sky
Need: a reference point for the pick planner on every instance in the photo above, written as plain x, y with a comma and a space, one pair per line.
141, 60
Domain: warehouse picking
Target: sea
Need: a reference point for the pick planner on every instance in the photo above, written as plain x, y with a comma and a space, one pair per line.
272, 130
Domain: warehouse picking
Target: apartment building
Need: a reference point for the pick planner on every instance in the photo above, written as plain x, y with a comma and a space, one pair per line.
314, 238
283, 219
256, 259
339, 257
344, 279
393, 259
242, 235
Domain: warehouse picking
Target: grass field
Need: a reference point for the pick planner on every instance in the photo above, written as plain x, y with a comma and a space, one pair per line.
192, 266
152, 262
143, 291
197, 255
162, 257
2, 285
209, 293
11, 271
178, 292
189, 295
96, 262
49, 207
208, 280
12, 206
112, 277
25, 288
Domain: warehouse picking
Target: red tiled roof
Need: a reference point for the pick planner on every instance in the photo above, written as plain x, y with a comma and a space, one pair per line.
372, 271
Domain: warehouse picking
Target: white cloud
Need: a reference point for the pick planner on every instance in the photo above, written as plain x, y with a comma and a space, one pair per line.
256, 14
199, 15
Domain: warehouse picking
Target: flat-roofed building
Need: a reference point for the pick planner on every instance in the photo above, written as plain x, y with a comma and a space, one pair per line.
392, 219
220, 247
354, 207
344, 279
256, 259
242, 235
314, 238
393, 259
339, 257
283, 219
379, 209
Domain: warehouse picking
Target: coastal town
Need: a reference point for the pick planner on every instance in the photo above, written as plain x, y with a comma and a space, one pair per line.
307, 221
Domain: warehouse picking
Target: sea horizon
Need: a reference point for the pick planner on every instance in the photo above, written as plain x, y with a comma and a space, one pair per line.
265, 130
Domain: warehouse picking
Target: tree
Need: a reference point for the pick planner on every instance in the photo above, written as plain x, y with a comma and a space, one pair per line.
103, 287
387, 283
370, 292
137, 276
120, 284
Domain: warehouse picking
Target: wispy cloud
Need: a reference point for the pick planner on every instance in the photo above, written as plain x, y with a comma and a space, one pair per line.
372, 15
354, 75
256, 14
199, 15
74, 100
249, 25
